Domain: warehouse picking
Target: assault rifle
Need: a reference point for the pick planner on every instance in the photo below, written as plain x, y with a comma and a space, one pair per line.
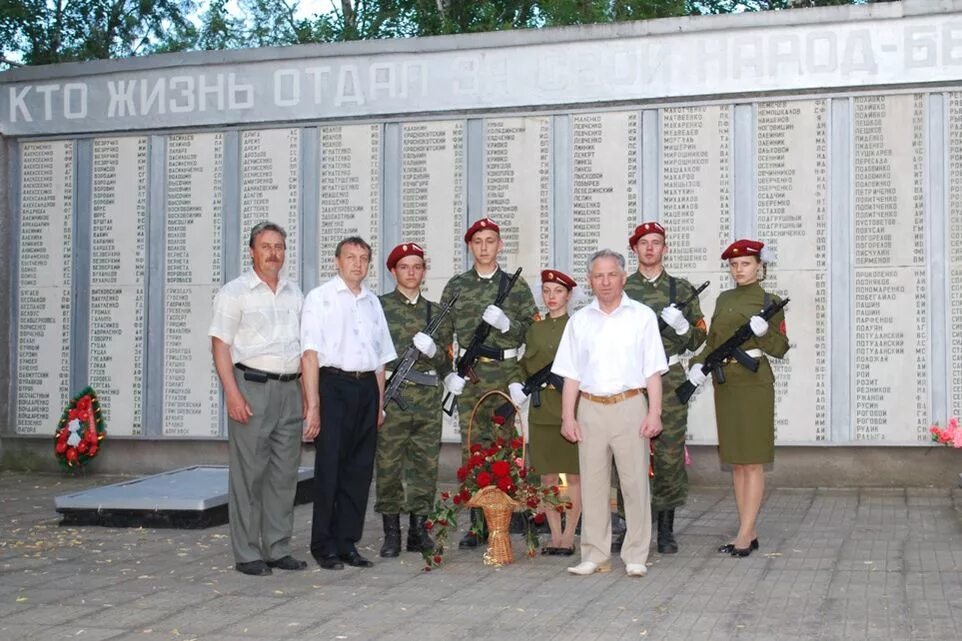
532, 387
405, 366
730, 349
683, 304
469, 359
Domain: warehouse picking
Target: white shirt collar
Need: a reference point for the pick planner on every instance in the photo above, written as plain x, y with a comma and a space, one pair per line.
594, 304
253, 280
341, 286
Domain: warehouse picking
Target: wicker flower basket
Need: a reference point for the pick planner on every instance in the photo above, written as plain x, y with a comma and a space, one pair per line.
496, 505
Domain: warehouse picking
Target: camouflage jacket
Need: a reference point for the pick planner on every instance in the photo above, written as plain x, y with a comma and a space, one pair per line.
656, 295
476, 294
405, 319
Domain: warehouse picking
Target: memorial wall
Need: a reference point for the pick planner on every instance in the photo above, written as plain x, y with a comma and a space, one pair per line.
843, 186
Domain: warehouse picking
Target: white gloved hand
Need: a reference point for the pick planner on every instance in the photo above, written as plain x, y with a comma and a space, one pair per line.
675, 319
454, 383
516, 391
759, 325
425, 344
695, 376
496, 318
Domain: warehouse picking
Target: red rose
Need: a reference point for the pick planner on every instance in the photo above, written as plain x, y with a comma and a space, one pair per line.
523, 473
82, 447
539, 518
484, 479
437, 559
476, 448
428, 524
499, 442
443, 522
504, 484
476, 460
501, 468
72, 414
555, 490
457, 499
61, 448
465, 495
517, 443
445, 496
462, 473
83, 415
559, 509
533, 503
497, 420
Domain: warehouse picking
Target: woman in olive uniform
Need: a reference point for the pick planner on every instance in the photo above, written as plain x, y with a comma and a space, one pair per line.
551, 453
745, 402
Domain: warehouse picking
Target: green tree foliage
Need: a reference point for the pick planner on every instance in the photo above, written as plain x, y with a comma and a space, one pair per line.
49, 31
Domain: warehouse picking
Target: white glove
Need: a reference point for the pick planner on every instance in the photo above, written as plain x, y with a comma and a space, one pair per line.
759, 325
454, 383
425, 344
676, 320
516, 391
695, 376
496, 318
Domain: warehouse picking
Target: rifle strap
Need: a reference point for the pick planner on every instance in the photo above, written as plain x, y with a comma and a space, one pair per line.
672, 290
502, 283
767, 300
427, 320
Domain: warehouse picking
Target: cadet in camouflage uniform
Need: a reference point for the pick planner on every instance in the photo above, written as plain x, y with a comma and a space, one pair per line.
684, 330
478, 287
409, 442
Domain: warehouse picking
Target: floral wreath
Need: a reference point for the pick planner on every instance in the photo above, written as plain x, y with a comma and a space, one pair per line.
499, 464
80, 431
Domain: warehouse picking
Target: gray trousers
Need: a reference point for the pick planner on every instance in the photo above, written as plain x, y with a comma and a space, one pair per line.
264, 456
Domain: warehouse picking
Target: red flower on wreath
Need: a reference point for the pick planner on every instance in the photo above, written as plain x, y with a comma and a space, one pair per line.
501, 468
505, 484
79, 431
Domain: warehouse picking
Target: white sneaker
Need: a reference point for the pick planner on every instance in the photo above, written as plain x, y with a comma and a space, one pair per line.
635, 569
589, 567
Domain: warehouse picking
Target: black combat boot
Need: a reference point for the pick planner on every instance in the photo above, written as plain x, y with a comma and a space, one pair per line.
666, 533
418, 538
470, 539
392, 535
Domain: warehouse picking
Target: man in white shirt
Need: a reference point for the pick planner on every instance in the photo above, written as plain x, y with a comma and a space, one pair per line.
346, 343
612, 359
255, 340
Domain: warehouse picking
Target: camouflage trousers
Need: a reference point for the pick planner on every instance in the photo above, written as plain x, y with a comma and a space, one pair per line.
406, 462
492, 375
669, 486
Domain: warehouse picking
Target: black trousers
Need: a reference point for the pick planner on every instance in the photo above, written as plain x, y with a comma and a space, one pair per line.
343, 462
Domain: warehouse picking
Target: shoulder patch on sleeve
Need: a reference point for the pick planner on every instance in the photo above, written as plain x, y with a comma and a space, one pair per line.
702, 325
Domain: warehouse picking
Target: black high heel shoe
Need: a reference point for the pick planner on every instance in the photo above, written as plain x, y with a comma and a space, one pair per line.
729, 548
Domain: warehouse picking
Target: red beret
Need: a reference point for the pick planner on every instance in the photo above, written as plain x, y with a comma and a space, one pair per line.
480, 225
402, 250
743, 247
651, 227
554, 276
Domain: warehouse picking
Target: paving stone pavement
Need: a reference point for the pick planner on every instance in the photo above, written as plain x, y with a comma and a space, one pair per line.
833, 564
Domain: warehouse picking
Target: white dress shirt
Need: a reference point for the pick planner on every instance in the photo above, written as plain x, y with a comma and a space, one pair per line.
261, 326
348, 332
611, 353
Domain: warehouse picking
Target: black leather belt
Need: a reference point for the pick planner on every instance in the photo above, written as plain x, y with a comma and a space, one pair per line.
340, 372
252, 374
